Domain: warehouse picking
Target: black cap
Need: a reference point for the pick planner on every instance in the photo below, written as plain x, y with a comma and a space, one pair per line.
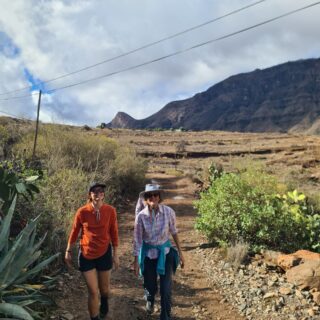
96, 184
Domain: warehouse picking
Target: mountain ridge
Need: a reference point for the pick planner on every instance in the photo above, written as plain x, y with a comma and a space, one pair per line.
281, 98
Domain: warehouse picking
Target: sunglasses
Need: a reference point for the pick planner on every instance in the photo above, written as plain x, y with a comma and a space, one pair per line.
150, 195
97, 190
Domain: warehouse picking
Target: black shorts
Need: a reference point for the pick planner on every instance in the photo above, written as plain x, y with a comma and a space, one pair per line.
103, 263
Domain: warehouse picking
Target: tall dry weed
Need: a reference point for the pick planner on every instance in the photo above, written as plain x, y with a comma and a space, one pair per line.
61, 148
237, 253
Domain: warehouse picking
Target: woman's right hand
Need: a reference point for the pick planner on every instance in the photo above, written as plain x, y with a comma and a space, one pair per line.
68, 259
136, 266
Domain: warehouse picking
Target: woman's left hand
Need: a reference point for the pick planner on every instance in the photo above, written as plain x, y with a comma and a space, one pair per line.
115, 260
182, 262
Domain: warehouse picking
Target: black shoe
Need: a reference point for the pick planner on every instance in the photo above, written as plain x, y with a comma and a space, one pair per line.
150, 307
104, 307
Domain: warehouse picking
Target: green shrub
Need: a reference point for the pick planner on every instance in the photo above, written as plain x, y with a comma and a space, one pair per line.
247, 206
12, 184
215, 171
206, 175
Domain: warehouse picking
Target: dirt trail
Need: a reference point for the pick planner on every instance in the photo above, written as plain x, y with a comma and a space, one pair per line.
193, 298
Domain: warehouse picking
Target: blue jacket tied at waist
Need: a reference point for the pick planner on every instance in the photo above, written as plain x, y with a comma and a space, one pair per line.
161, 264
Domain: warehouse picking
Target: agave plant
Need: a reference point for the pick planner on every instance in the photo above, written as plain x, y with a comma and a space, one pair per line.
18, 265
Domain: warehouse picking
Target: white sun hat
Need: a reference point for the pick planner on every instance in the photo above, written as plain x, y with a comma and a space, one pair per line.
151, 188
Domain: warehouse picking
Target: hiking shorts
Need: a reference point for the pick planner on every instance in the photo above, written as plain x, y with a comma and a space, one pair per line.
103, 263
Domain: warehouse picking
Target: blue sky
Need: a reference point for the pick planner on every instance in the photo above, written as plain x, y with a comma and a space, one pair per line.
35, 84
43, 40
7, 47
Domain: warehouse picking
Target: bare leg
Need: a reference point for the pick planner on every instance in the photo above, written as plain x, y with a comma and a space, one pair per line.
91, 279
104, 282
104, 286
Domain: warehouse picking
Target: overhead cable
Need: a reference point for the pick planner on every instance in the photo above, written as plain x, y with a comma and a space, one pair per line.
188, 49
142, 47
179, 51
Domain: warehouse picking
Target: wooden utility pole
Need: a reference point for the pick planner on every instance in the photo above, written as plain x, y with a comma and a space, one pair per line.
37, 126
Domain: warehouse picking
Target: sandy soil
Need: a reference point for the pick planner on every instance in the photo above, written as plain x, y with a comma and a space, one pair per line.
193, 298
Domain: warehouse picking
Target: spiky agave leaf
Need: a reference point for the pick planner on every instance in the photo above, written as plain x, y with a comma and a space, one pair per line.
32, 272
17, 257
24, 300
15, 261
5, 229
13, 310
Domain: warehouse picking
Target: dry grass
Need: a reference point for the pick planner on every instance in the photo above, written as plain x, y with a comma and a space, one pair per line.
237, 254
293, 158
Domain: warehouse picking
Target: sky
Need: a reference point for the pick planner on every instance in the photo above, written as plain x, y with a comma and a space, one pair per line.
42, 41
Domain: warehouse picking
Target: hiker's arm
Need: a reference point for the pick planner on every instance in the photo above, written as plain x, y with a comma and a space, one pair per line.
115, 257
72, 239
114, 239
137, 243
174, 233
67, 256
177, 242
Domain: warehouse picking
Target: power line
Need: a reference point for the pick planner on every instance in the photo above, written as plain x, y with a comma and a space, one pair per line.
181, 51
189, 48
142, 47
20, 97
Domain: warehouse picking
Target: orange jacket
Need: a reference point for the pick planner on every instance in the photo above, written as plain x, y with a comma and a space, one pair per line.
96, 234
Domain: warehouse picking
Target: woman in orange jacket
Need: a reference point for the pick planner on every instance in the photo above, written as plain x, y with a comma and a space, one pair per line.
99, 241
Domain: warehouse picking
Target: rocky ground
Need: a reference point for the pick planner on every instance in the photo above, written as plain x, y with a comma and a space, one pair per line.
258, 290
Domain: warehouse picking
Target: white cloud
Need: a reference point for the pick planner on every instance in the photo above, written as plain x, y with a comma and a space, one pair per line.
57, 37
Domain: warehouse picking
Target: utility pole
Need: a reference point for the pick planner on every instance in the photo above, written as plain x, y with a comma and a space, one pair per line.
37, 126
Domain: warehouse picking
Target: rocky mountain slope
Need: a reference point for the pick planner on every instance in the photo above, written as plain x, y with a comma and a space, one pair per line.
283, 98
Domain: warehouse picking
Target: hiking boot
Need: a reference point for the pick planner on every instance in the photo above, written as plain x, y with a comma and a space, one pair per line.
150, 307
104, 307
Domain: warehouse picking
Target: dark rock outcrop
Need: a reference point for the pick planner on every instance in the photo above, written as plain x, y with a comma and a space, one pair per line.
122, 120
282, 98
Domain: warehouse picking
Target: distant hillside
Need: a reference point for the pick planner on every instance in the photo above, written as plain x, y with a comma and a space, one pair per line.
283, 98
122, 120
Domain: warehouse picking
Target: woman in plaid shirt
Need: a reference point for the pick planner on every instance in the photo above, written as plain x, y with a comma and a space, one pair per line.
153, 253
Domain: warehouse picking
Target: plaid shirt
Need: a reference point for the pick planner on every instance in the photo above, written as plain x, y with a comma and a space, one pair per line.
153, 231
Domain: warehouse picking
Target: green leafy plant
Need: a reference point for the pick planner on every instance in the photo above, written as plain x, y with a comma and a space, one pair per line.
247, 206
215, 171
11, 185
19, 265
295, 203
